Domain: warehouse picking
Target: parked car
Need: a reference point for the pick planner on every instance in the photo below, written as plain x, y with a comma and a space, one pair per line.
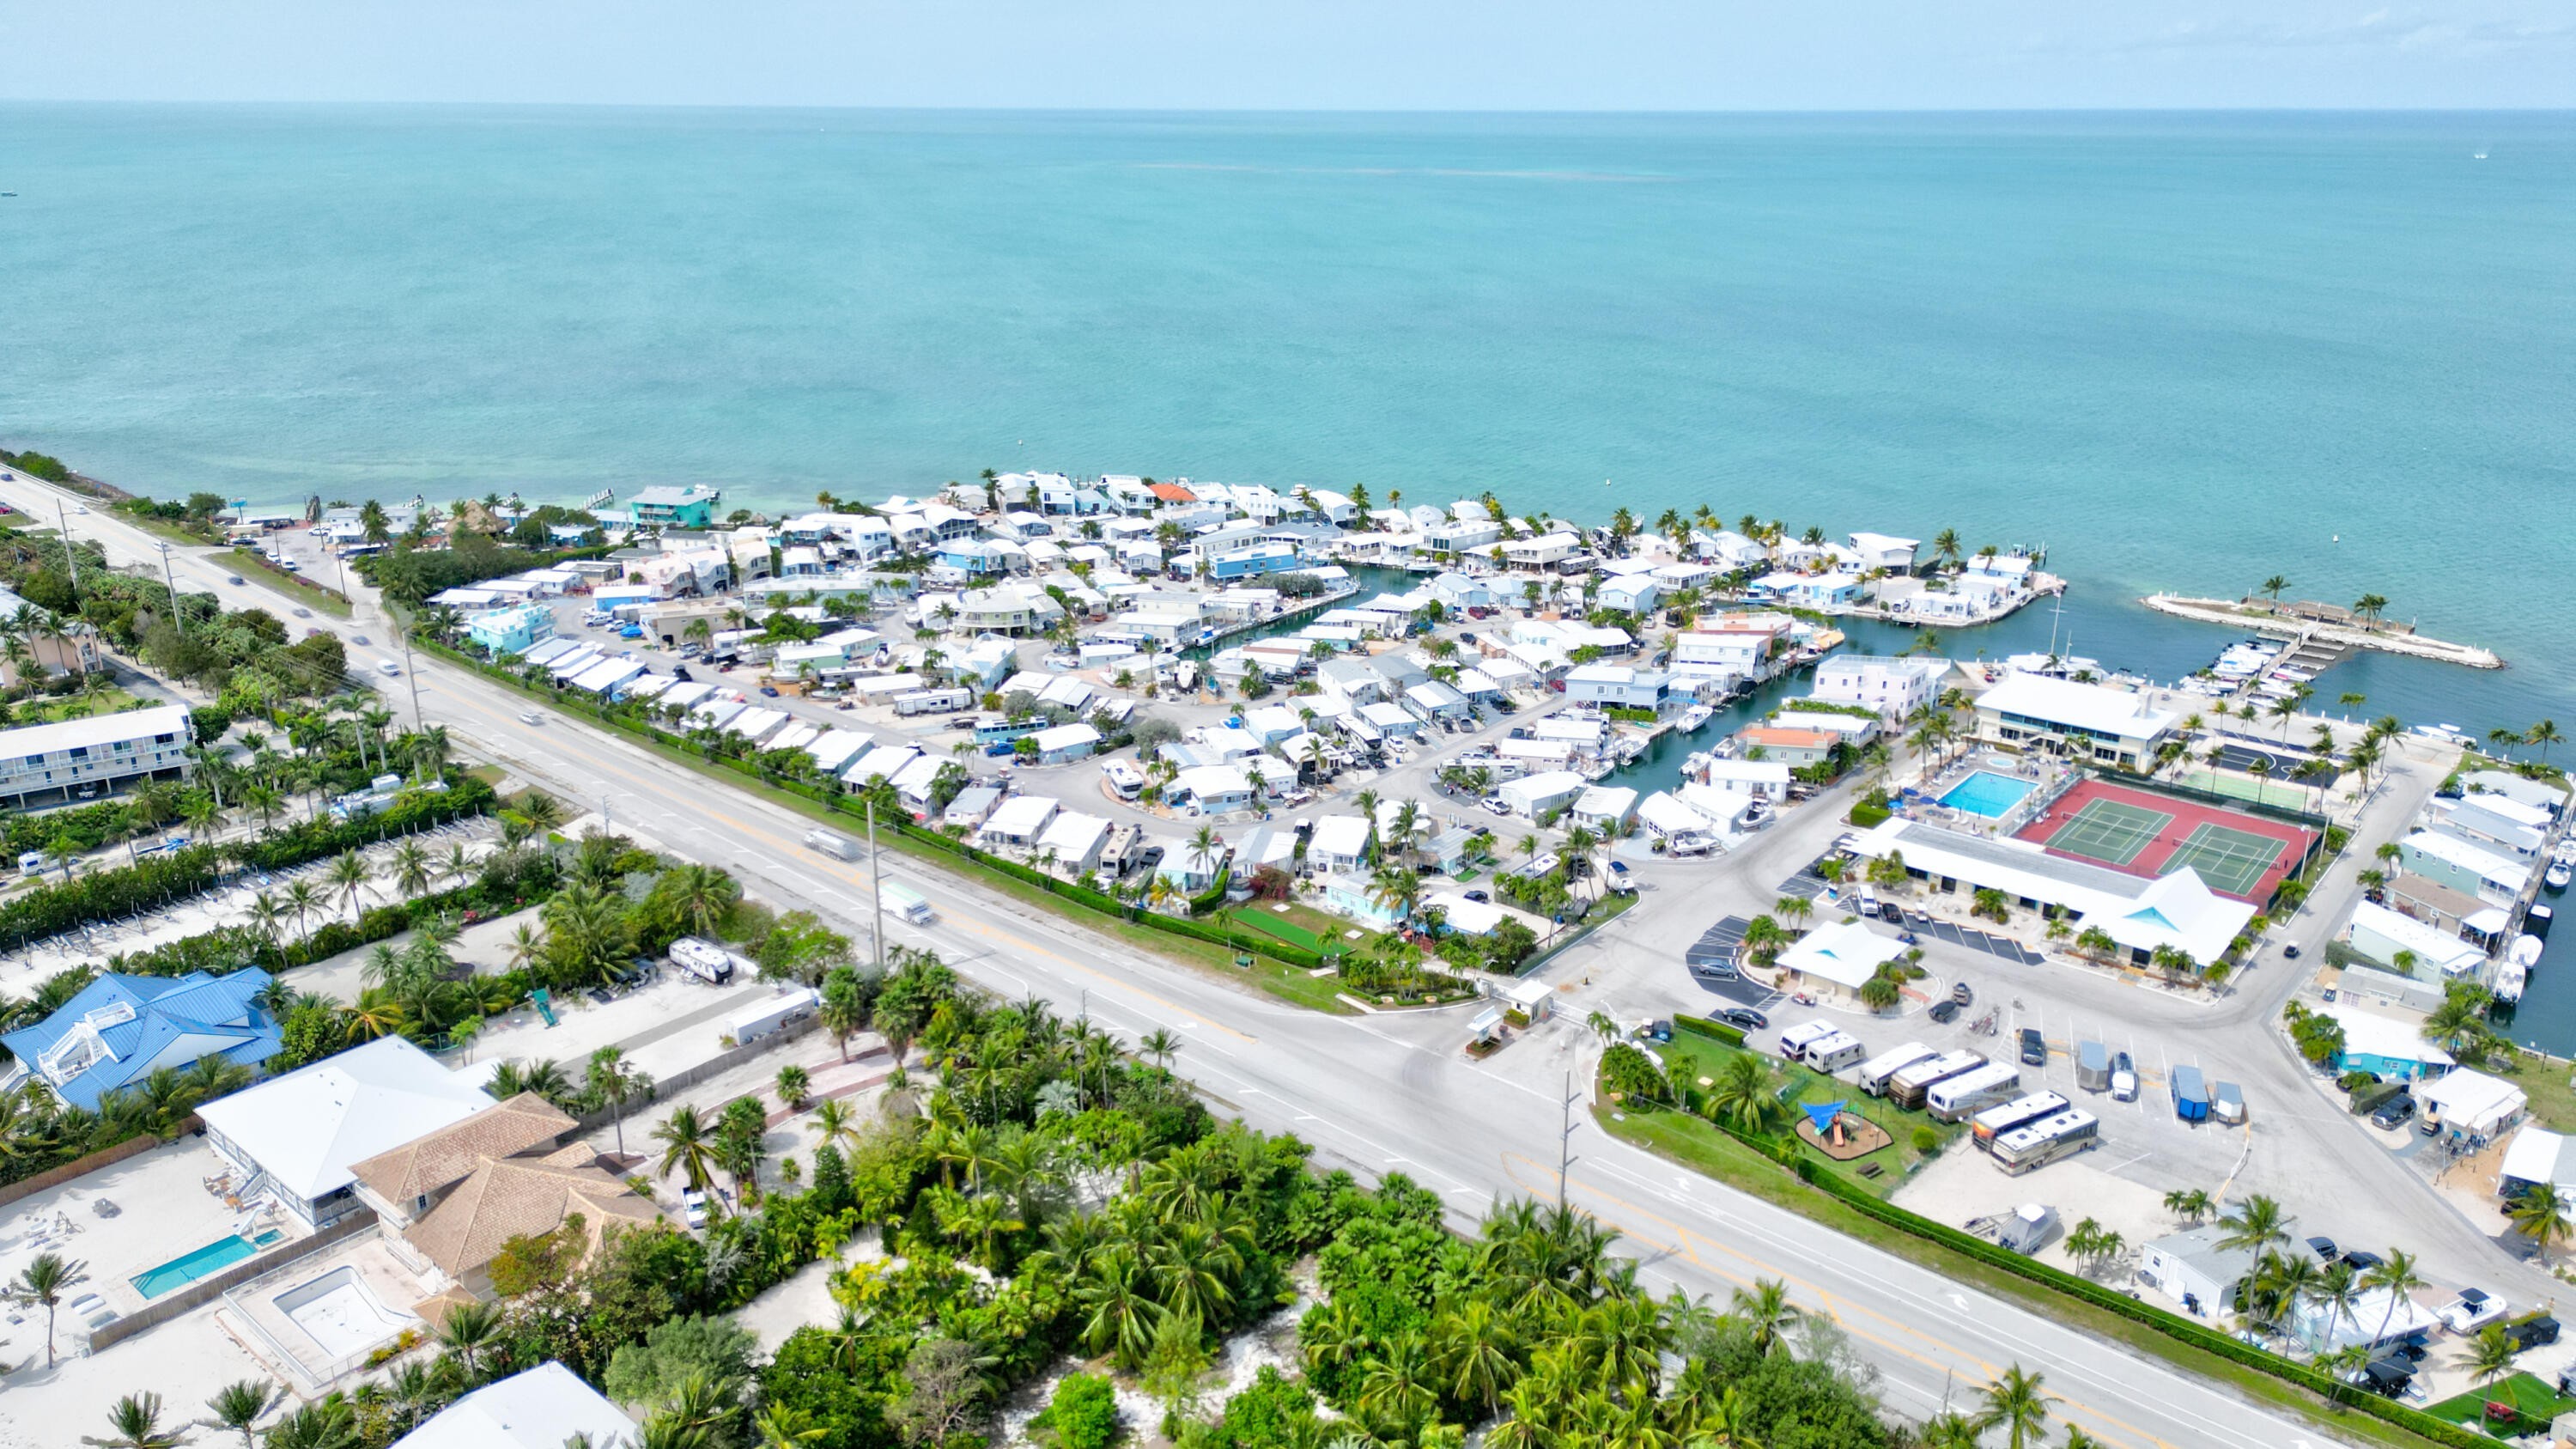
1745, 1017
2124, 1078
2324, 1248
2532, 1332
2362, 1261
1619, 878
1945, 1012
695, 1204
2394, 1113
1493, 805
1891, 913
1479, 897
2034, 1047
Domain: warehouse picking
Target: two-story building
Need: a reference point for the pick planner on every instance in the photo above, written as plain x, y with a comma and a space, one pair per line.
78, 758
512, 631
693, 506
2089, 722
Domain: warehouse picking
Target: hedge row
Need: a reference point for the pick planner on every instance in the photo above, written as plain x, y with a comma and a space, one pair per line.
1701, 1026
50, 910
1100, 902
1785, 1151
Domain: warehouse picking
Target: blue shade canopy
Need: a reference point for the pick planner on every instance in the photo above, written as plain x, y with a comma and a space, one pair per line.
1822, 1114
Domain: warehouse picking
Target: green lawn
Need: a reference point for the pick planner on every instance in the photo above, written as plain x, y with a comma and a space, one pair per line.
2545, 1081
2537, 1401
1690, 1057
71, 706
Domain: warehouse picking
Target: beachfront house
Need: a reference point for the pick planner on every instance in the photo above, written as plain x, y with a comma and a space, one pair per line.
540, 1408
2093, 723
297, 1139
120, 1029
690, 507
1884, 551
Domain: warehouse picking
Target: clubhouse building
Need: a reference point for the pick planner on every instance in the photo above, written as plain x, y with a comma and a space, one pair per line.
2139, 913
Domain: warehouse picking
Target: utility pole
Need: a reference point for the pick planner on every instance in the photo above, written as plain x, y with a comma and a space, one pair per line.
71, 564
412, 673
178, 616
1565, 1144
876, 886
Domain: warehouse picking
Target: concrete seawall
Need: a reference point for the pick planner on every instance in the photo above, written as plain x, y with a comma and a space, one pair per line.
2240, 616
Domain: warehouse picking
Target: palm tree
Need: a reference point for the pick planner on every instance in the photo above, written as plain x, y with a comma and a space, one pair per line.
239, 1406
704, 895
42, 1283
2543, 734
616, 1082
688, 1147
349, 876
2394, 1274
330, 1424
303, 898
2491, 1354
2189, 1204
466, 1330
2015, 1404
136, 1420
2538, 1214
793, 1086
779, 1425
1744, 1095
2257, 1225
1396, 891
410, 869
2273, 587
2369, 607
833, 1124
1766, 1309
1160, 1045
1473, 1351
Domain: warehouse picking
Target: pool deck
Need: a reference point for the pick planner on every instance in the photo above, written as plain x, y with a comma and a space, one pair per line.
251, 1316
167, 1212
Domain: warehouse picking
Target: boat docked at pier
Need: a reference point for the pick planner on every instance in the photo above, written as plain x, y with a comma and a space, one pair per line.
1695, 719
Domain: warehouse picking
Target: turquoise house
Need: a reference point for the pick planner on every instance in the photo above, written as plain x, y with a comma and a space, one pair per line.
666, 507
512, 631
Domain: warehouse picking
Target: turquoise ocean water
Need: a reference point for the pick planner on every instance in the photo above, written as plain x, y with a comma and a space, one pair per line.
2182, 351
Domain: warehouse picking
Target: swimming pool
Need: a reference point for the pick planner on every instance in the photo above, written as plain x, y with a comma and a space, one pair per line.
187, 1268
1987, 793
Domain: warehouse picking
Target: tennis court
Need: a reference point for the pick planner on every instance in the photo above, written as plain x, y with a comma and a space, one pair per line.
2231, 862
2153, 833
2110, 831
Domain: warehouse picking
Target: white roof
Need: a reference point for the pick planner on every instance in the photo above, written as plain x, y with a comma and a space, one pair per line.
93, 731
1385, 715
1072, 834
1339, 835
1614, 801
1208, 781
2380, 1036
1065, 737
1021, 815
835, 749
2472, 1100
1671, 816
1846, 953
306, 1129
2533, 1155
2504, 808
2089, 706
2485, 864
2177, 910
2432, 946
1476, 918
881, 763
538, 1409
1757, 772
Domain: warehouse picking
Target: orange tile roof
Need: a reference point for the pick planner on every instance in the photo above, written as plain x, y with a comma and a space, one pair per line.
1173, 493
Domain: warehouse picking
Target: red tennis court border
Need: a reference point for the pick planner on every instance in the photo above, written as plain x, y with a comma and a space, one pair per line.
2188, 815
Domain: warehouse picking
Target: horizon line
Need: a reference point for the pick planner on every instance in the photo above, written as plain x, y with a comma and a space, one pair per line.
1191, 110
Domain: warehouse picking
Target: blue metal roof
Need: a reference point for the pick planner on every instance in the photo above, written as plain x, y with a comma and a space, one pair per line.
142, 1020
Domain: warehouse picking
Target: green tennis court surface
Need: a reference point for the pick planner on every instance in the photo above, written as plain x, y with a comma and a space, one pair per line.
2108, 831
2228, 861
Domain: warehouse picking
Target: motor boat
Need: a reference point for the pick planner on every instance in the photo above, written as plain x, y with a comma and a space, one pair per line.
2558, 876
1696, 718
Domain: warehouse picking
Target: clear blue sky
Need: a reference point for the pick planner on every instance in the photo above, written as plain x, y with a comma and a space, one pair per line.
1304, 54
